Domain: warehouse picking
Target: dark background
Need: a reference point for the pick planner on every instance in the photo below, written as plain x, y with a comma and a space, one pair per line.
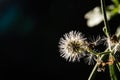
33, 53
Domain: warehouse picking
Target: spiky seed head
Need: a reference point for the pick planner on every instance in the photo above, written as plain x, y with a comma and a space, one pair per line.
72, 46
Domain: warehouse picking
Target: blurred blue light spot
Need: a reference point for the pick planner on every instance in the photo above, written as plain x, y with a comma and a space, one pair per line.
8, 18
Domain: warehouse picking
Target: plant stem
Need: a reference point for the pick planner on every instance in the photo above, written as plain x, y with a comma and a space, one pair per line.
112, 69
112, 72
93, 73
107, 31
105, 18
118, 66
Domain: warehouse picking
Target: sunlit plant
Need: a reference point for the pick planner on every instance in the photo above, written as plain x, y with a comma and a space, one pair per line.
74, 45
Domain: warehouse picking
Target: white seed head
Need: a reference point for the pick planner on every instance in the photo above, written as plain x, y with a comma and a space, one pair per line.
90, 60
72, 45
113, 43
96, 41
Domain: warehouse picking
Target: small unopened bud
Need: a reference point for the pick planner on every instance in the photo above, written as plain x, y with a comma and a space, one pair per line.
111, 60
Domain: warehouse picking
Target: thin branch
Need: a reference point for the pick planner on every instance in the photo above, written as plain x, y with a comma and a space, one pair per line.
105, 18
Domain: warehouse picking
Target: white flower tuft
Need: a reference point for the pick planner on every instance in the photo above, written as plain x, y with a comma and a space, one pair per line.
90, 60
72, 45
113, 43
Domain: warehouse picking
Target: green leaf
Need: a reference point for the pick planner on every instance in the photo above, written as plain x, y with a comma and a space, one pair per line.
116, 2
114, 12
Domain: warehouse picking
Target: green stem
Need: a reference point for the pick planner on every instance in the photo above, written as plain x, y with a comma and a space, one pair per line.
96, 53
107, 32
93, 73
112, 72
117, 63
105, 18
118, 66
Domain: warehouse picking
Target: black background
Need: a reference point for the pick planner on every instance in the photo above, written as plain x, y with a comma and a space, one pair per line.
36, 55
